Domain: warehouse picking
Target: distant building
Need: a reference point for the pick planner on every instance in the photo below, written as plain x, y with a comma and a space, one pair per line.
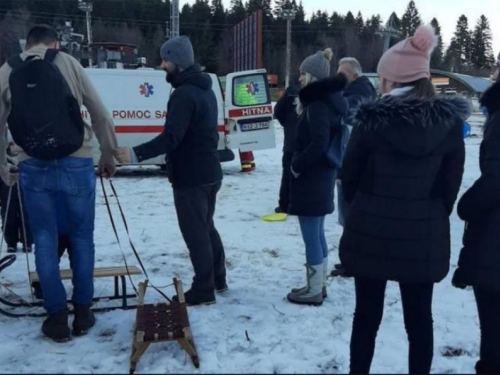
448, 83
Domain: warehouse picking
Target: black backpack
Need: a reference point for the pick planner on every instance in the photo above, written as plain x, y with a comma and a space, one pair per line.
45, 118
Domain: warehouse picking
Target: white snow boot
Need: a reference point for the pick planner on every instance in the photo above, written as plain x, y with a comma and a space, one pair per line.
304, 288
313, 295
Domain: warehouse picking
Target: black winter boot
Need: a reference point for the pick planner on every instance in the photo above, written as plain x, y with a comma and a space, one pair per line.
55, 327
221, 288
37, 290
84, 320
197, 299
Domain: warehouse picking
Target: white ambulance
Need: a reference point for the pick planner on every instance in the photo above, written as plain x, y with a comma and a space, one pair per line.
137, 101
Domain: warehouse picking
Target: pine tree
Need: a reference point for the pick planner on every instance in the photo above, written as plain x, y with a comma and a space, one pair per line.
264, 5
320, 22
349, 20
218, 20
437, 55
411, 20
300, 17
481, 47
360, 23
459, 52
186, 19
374, 24
336, 22
237, 13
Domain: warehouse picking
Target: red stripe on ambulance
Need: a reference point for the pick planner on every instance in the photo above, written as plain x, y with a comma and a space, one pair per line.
131, 129
253, 111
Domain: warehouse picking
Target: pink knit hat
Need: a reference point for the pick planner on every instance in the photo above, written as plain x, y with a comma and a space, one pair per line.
409, 60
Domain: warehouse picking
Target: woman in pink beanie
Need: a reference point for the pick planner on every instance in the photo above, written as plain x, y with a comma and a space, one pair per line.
401, 174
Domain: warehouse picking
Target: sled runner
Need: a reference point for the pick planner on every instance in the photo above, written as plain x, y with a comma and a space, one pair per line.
14, 306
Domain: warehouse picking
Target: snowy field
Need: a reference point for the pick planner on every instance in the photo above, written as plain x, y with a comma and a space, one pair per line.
252, 328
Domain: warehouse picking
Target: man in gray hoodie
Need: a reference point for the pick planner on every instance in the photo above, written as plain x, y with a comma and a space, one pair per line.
68, 179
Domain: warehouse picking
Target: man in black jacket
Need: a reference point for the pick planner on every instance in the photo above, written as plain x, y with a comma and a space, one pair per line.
359, 90
190, 142
285, 113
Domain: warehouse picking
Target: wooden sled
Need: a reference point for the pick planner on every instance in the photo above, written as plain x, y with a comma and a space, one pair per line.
157, 323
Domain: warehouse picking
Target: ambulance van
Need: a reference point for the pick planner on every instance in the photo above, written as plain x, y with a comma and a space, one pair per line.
137, 101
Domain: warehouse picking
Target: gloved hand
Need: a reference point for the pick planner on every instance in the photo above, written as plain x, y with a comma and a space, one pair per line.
107, 166
9, 174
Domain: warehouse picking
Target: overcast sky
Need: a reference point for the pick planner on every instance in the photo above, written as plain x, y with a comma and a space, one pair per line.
446, 11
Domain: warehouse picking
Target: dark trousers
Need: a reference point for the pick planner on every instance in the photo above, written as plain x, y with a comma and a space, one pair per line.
488, 305
285, 181
14, 232
417, 309
195, 211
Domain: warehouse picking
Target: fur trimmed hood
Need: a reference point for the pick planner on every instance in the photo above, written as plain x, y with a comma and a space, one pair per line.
327, 90
491, 98
414, 126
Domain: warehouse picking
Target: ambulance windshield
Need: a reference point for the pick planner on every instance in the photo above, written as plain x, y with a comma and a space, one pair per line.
250, 90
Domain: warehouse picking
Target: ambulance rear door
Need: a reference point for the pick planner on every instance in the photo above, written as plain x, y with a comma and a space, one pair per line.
249, 112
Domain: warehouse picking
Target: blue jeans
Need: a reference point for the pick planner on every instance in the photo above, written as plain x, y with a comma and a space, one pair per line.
52, 188
313, 233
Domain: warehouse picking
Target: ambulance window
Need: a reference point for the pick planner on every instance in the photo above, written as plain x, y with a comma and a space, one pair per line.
250, 90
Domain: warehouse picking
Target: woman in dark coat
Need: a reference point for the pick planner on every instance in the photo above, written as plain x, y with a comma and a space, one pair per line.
320, 108
401, 174
479, 264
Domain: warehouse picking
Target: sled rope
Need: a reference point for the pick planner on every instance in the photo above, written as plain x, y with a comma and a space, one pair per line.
25, 239
5, 222
139, 260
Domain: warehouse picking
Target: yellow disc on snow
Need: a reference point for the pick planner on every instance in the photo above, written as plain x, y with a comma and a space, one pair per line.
275, 218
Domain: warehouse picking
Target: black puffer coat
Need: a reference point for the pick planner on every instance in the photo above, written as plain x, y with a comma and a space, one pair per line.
285, 113
311, 194
190, 137
479, 263
357, 92
402, 173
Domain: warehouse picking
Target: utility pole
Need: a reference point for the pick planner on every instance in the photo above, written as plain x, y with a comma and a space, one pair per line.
87, 8
174, 19
289, 16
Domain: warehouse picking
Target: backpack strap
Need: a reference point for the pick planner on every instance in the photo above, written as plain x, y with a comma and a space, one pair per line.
50, 55
15, 62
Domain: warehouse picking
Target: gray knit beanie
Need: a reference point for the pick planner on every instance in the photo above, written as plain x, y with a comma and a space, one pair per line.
318, 65
179, 51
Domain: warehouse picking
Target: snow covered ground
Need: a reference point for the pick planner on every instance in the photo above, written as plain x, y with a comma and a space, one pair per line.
251, 329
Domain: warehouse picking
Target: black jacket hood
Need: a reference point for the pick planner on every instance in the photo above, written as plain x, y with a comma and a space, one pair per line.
328, 90
191, 76
411, 125
491, 98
